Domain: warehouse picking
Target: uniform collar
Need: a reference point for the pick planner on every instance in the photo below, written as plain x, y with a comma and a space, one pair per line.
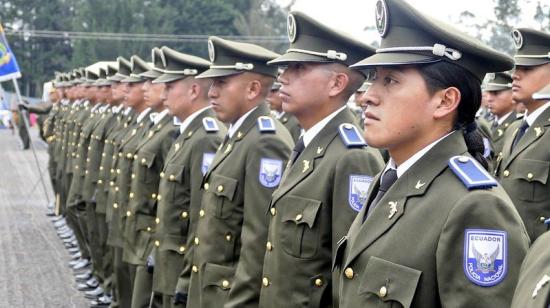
235, 126
406, 165
532, 117
189, 119
143, 114
315, 129
159, 116
501, 120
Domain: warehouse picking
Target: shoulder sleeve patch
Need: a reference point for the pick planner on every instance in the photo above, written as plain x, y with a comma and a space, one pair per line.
210, 125
266, 124
351, 135
471, 173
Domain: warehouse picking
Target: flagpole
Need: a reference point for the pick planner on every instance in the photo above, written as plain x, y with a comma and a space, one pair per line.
26, 121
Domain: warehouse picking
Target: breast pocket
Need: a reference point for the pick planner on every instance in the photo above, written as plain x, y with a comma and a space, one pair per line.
224, 189
174, 175
216, 281
530, 177
299, 232
387, 284
146, 161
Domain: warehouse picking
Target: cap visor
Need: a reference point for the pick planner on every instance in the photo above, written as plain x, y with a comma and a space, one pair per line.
297, 57
530, 61
131, 79
150, 74
496, 88
393, 58
165, 78
216, 72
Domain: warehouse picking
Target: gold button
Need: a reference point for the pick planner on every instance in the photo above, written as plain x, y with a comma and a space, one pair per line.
116, 188
117, 171
131, 195
100, 167
195, 269
128, 213
273, 211
318, 282
228, 237
349, 273
135, 156
103, 155
206, 186
529, 175
115, 205
201, 213
157, 243
154, 196
86, 172
112, 170
383, 291
225, 284
133, 175
265, 281
111, 183
268, 246
172, 177
89, 148
87, 160
129, 156
159, 197
157, 220
149, 229
99, 182
119, 154
162, 174
143, 161
542, 219
299, 217
506, 173
182, 248
196, 240
220, 188
184, 214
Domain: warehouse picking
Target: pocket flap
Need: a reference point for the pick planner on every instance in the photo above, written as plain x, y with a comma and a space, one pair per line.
144, 221
173, 172
223, 186
217, 275
299, 210
531, 170
389, 281
174, 243
146, 158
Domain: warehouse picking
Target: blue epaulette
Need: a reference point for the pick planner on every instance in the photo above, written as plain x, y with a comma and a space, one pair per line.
210, 125
547, 222
266, 124
351, 135
471, 173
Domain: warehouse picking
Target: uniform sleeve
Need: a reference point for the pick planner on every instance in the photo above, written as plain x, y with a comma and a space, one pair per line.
481, 213
207, 145
247, 284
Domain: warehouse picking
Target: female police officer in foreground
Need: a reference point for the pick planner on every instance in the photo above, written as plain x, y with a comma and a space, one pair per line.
437, 229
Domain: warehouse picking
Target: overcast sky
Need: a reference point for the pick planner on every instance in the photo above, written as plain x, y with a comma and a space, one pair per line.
353, 15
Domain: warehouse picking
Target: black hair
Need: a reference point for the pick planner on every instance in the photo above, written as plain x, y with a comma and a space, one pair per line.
441, 75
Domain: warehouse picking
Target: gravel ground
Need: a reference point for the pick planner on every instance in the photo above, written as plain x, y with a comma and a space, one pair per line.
33, 261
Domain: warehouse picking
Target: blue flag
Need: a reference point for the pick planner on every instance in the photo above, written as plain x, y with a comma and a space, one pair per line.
8, 65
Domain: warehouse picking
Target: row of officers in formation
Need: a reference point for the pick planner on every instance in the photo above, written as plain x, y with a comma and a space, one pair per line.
177, 186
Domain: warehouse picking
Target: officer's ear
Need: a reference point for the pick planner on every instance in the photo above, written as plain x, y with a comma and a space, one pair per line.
254, 89
447, 101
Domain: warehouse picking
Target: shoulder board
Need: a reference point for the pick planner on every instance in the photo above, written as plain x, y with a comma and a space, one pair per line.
266, 124
351, 135
210, 125
471, 173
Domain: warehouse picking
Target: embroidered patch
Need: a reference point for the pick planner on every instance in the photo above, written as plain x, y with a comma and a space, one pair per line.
358, 191
485, 256
206, 162
270, 172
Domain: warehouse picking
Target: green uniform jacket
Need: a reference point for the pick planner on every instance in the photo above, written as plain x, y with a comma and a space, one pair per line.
498, 133
310, 211
533, 289
147, 165
292, 124
524, 172
411, 250
178, 210
122, 170
231, 235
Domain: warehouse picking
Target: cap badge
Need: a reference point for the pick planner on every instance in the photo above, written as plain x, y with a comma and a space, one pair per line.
211, 52
518, 39
291, 28
381, 14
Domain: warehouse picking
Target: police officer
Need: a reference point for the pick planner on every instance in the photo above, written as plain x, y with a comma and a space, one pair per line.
232, 226
497, 88
330, 170
524, 167
437, 230
199, 135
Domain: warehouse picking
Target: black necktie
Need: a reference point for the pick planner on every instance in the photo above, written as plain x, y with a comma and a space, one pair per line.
225, 139
298, 148
524, 126
494, 126
389, 177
